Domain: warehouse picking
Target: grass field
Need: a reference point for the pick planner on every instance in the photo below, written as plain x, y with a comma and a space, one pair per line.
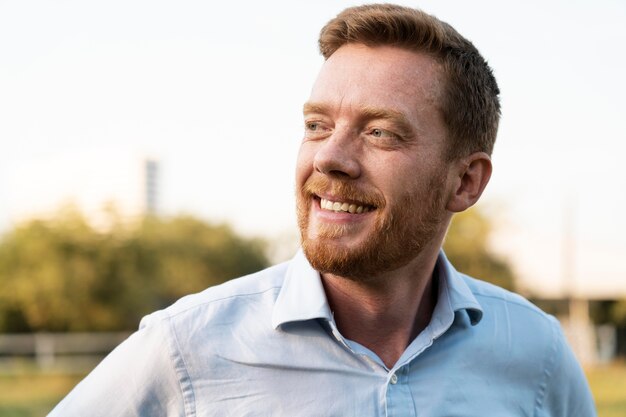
35, 395
608, 384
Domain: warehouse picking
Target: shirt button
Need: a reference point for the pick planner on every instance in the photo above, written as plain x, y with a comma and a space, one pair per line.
394, 379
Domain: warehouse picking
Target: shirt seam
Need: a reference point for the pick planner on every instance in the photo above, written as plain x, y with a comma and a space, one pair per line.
181, 369
548, 371
530, 308
172, 314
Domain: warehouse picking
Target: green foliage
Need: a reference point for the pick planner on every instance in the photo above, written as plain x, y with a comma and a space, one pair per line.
467, 247
618, 312
63, 275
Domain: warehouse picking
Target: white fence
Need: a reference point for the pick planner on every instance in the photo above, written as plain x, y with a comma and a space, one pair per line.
55, 352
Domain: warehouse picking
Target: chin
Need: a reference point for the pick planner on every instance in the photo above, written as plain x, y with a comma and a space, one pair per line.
362, 262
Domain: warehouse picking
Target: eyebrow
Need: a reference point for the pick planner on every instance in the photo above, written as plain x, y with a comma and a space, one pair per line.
310, 107
385, 114
366, 112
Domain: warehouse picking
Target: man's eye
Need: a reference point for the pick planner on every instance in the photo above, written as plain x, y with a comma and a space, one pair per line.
381, 133
312, 126
314, 130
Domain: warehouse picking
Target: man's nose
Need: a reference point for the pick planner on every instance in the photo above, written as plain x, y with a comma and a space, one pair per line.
338, 156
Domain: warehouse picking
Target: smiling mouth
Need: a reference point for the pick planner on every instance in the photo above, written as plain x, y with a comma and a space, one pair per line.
344, 207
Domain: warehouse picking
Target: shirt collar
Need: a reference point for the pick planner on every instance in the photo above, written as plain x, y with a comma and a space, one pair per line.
302, 295
454, 293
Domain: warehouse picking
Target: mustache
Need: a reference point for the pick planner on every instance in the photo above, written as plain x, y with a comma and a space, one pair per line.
345, 190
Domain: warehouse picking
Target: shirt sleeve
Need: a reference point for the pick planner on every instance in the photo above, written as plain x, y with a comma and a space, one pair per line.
566, 392
139, 378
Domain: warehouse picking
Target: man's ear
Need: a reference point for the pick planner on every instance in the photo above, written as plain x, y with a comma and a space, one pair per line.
471, 178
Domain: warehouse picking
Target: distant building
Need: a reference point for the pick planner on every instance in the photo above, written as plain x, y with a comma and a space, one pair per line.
587, 323
150, 186
104, 185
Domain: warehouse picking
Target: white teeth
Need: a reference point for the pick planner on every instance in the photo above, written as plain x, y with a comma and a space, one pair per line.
342, 207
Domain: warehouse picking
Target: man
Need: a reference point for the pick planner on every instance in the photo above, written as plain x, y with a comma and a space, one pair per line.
370, 319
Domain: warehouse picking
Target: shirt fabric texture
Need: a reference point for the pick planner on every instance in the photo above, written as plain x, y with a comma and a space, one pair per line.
267, 345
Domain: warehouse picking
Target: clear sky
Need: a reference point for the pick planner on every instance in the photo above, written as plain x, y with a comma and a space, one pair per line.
215, 92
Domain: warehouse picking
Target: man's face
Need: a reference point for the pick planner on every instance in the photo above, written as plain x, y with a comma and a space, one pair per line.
371, 178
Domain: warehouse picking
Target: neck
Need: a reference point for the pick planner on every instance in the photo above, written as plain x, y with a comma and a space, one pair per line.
385, 313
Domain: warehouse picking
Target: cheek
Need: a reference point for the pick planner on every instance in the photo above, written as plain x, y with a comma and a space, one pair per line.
393, 175
304, 164
403, 181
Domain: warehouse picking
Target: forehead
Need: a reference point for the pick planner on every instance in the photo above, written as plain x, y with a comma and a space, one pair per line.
382, 77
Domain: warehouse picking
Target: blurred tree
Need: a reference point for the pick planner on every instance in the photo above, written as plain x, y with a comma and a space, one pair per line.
467, 247
62, 275
618, 313
617, 317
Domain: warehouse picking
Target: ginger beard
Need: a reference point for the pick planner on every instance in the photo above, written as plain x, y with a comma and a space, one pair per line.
400, 231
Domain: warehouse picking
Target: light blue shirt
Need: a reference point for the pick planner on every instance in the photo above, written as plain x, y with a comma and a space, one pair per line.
267, 345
